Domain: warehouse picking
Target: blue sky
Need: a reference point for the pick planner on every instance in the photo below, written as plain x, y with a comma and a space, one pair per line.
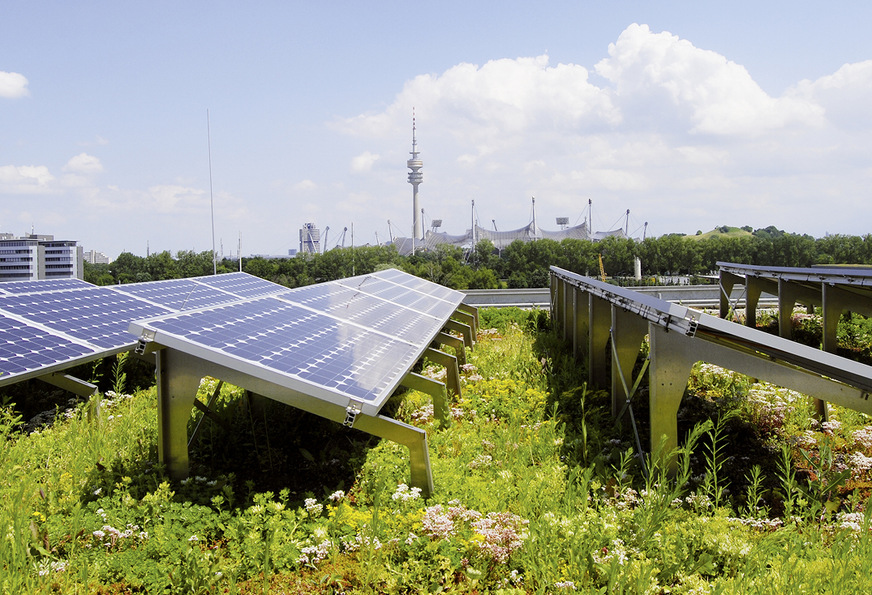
690, 114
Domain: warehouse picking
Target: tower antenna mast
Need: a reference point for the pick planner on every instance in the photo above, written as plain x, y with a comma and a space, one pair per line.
415, 179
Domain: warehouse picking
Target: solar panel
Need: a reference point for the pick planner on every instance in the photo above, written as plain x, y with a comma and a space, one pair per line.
25, 347
416, 298
367, 310
307, 348
242, 284
177, 294
96, 315
42, 285
349, 339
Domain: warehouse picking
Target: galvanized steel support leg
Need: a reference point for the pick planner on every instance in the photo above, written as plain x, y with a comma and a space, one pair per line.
467, 319
753, 289
452, 372
431, 387
598, 337
472, 311
627, 333
581, 316
464, 329
727, 281
178, 378
415, 439
671, 358
452, 341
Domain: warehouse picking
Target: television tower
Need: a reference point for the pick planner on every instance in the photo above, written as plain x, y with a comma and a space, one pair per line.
415, 178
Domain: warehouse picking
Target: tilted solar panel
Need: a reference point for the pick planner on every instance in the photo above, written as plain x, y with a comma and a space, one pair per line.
96, 315
25, 347
177, 294
242, 284
354, 338
307, 348
42, 285
417, 283
364, 309
403, 295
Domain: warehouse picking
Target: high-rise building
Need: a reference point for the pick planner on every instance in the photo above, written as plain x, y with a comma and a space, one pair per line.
35, 256
95, 257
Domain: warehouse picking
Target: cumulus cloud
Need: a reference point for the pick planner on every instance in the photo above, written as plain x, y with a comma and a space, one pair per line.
845, 95
83, 164
662, 127
363, 162
717, 96
13, 85
305, 185
171, 198
26, 179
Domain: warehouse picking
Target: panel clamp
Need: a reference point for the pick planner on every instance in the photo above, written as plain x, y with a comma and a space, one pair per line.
351, 413
144, 339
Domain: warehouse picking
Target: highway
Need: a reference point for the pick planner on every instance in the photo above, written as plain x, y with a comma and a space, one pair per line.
696, 296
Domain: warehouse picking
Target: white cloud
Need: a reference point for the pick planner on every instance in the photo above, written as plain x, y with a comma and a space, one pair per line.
83, 164
845, 95
171, 198
13, 85
682, 136
26, 179
674, 78
364, 162
305, 186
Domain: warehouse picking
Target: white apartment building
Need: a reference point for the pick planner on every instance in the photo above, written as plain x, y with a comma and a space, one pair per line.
34, 257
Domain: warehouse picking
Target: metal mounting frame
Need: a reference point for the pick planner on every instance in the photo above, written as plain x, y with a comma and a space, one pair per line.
679, 337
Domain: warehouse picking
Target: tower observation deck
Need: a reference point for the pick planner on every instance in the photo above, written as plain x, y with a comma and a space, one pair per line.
416, 177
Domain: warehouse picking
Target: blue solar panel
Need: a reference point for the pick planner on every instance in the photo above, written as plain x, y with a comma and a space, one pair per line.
42, 285
25, 347
401, 295
97, 315
297, 342
242, 284
419, 284
177, 294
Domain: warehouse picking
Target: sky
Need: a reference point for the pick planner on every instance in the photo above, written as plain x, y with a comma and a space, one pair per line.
137, 127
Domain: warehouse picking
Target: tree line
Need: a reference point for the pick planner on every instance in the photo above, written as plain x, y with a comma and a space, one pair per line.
519, 265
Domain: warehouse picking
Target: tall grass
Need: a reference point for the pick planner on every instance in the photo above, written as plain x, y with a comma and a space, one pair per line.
537, 491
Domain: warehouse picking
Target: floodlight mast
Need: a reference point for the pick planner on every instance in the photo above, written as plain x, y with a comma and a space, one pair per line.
415, 179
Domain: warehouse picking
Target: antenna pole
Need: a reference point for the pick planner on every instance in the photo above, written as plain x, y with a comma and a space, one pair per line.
211, 198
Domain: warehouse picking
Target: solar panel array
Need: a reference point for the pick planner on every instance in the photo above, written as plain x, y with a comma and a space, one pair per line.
49, 325
350, 339
353, 338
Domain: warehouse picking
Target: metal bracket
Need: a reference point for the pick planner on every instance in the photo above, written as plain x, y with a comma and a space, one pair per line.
351, 413
144, 339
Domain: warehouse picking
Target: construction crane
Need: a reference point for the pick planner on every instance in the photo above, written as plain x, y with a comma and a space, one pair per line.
602, 268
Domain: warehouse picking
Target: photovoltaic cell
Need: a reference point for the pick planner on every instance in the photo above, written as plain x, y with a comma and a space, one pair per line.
177, 294
42, 285
405, 296
25, 347
242, 284
422, 285
366, 310
297, 342
97, 315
